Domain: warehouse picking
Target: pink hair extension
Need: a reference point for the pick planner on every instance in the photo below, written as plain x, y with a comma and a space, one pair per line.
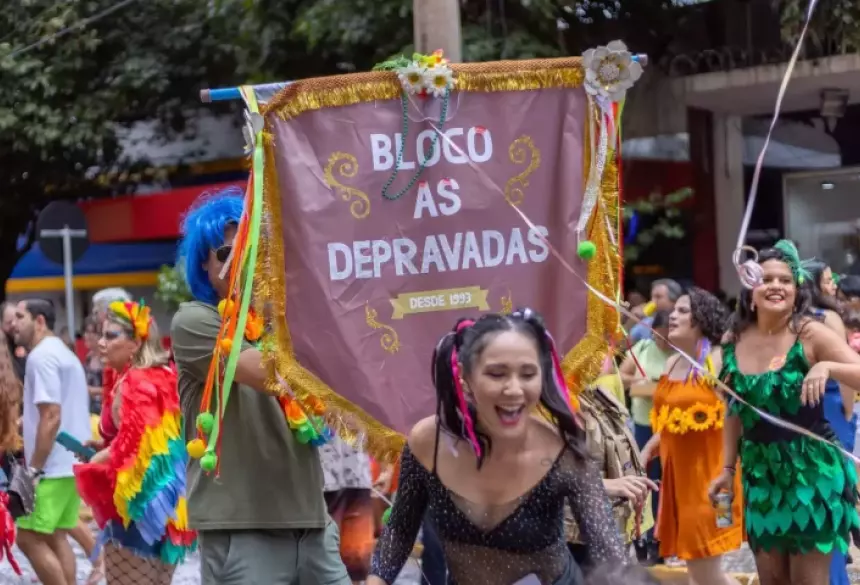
464, 409
558, 374
461, 395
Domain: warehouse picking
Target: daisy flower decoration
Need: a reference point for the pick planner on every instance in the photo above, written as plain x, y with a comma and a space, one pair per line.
412, 77
439, 79
610, 71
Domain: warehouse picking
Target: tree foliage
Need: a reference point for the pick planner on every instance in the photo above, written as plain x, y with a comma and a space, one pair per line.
172, 289
64, 102
659, 216
353, 35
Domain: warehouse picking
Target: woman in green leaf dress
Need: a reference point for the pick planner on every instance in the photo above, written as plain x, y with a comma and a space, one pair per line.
798, 491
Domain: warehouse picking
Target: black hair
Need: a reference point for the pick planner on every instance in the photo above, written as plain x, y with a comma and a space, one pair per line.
820, 300
661, 319
469, 342
42, 308
744, 315
849, 285
708, 313
674, 289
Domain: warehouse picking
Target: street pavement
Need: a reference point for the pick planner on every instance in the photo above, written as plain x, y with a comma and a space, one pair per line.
186, 574
740, 563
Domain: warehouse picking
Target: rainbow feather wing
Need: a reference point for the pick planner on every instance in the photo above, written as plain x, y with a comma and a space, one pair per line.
150, 458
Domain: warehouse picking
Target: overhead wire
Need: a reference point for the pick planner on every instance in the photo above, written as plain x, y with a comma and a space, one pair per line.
69, 29
21, 25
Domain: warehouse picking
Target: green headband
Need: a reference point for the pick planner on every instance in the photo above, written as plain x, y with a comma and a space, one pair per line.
792, 258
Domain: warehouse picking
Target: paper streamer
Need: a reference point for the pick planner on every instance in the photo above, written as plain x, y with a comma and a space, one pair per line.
749, 272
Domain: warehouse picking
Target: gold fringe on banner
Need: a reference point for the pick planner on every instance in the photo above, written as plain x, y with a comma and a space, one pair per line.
344, 416
583, 363
346, 90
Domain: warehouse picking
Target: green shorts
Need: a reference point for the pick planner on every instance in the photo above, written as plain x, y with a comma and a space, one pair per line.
56, 508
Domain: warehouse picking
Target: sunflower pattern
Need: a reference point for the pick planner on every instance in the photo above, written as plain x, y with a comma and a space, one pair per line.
698, 417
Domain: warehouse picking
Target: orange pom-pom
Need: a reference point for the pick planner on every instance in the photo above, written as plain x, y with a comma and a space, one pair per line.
254, 327
226, 307
226, 344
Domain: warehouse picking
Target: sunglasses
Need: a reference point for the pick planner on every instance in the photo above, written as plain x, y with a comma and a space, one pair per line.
223, 253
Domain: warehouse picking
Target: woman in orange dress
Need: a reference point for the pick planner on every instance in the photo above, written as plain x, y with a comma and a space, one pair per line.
687, 419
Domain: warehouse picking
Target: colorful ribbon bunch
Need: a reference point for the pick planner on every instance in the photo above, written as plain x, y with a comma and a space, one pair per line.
306, 420
135, 314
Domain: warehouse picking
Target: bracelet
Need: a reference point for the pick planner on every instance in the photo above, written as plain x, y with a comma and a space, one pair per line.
730, 469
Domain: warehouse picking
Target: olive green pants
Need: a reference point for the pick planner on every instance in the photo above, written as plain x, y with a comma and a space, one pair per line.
272, 557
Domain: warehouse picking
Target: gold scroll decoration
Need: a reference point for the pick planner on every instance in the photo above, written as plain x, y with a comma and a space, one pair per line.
449, 299
521, 151
346, 166
389, 341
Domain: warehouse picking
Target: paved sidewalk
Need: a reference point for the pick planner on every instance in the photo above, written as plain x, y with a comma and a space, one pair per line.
742, 564
186, 574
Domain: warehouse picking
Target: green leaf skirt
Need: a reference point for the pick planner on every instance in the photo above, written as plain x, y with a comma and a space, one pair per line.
799, 496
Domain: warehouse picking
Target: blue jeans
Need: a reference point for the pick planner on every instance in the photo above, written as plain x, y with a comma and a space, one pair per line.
846, 432
643, 434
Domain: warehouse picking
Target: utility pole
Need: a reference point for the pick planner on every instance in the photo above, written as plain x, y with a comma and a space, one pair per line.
437, 26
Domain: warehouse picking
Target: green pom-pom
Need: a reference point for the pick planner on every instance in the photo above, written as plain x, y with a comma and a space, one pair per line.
209, 461
205, 422
386, 516
586, 250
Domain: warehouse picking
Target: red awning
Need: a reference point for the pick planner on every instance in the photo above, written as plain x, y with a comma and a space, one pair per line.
154, 216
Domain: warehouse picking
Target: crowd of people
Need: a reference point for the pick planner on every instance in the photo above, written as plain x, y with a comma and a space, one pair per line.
510, 481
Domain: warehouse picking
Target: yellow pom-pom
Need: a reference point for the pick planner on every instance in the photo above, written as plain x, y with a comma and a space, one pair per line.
649, 309
226, 307
226, 344
196, 448
209, 461
586, 250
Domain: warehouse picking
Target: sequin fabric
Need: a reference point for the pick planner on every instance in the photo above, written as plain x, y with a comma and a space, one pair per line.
498, 545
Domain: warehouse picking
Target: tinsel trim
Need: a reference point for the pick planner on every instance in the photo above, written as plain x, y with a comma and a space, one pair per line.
583, 363
346, 90
351, 423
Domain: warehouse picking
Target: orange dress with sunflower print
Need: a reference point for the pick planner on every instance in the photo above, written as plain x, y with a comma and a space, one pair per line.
689, 416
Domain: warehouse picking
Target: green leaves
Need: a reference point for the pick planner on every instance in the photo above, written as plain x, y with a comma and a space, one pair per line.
172, 289
659, 217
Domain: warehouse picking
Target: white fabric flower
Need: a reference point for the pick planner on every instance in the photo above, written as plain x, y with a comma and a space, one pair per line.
438, 80
412, 78
610, 71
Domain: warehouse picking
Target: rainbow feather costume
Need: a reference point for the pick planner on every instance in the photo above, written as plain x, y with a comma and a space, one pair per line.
138, 497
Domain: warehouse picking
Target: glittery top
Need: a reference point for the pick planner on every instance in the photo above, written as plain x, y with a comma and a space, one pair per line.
493, 545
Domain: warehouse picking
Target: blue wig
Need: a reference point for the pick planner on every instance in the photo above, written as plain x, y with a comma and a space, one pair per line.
202, 231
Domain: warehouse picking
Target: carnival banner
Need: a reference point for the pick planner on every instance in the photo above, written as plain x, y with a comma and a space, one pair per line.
389, 201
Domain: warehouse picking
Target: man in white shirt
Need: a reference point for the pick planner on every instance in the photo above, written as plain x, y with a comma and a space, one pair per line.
55, 399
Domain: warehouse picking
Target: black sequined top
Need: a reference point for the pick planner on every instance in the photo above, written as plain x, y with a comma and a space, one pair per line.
501, 544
